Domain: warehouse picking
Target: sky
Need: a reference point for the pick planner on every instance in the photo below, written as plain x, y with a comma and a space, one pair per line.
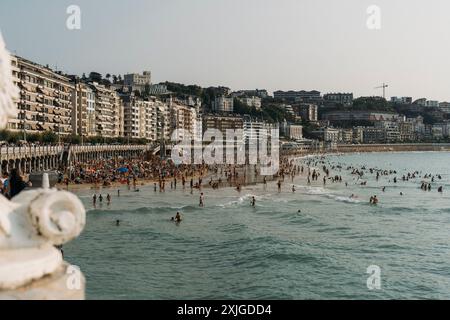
244, 44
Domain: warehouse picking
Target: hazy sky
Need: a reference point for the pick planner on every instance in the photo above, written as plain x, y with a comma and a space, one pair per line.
244, 44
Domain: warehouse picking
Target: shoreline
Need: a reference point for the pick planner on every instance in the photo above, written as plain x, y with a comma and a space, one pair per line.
348, 150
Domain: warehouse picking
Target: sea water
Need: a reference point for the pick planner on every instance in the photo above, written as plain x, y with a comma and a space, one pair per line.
231, 250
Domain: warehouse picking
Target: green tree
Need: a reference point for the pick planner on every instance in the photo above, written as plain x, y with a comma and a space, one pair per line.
49, 137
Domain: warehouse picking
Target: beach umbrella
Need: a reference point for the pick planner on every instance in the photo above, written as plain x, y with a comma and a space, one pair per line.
122, 170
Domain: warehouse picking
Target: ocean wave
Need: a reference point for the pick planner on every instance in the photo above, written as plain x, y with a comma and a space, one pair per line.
323, 192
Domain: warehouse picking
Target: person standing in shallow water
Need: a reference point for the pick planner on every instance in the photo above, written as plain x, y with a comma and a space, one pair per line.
201, 200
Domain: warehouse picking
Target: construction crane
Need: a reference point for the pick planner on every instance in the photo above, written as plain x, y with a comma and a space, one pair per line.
384, 86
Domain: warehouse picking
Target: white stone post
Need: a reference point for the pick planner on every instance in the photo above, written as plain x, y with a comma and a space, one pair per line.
33, 223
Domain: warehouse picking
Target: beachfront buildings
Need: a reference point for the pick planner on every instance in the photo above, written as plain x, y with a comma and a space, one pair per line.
223, 104
222, 123
140, 120
51, 101
349, 116
294, 131
156, 120
45, 99
108, 112
256, 130
97, 110
182, 116
83, 111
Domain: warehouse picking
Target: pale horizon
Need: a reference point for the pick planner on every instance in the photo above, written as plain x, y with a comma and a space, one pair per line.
273, 45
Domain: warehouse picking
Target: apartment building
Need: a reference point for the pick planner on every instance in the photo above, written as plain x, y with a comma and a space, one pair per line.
182, 116
299, 96
309, 112
345, 99
261, 93
45, 101
140, 118
222, 123
223, 104
253, 101
444, 107
402, 100
83, 111
133, 79
108, 112
294, 131
256, 131
374, 135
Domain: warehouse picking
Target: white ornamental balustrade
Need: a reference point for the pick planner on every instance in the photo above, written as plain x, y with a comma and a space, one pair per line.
33, 223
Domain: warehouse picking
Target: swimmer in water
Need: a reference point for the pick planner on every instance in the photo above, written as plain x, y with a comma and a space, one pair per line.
375, 200
178, 217
117, 223
293, 188
201, 200
253, 202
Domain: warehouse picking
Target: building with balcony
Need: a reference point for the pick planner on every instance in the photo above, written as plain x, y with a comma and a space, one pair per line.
391, 128
140, 118
370, 116
182, 116
109, 111
45, 99
256, 131
222, 123
374, 135
83, 112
